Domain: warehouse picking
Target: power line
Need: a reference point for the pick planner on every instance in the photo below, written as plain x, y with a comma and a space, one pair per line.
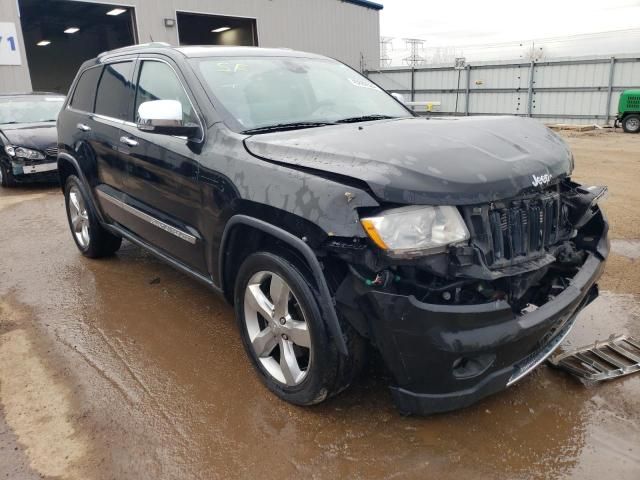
416, 46
386, 44
557, 39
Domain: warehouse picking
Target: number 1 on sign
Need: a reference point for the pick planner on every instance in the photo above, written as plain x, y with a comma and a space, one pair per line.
12, 43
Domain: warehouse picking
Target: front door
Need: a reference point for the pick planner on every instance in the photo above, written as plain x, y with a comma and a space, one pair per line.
163, 170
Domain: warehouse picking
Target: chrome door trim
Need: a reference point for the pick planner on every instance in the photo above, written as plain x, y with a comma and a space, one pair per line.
181, 234
118, 121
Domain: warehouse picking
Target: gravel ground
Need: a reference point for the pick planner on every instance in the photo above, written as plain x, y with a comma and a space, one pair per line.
613, 159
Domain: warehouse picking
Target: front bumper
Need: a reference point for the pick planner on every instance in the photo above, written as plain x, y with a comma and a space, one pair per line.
35, 171
445, 357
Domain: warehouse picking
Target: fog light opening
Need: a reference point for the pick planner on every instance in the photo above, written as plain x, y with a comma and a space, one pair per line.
469, 367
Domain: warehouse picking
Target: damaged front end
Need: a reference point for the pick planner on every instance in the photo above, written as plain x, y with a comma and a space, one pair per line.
465, 321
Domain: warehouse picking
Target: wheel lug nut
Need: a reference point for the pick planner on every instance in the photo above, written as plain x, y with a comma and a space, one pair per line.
284, 337
282, 321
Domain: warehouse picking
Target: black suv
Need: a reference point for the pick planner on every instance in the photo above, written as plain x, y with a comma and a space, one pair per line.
332, 218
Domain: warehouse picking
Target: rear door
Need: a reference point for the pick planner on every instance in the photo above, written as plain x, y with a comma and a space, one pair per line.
163, 185
75, 131
112, 110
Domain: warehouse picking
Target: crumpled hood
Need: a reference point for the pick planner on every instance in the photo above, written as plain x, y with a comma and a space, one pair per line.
33, 135
428, 161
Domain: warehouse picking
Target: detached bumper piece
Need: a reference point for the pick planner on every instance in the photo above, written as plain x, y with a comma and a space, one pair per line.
605, 360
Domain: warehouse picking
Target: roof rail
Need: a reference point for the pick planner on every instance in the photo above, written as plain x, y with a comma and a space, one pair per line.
136, 46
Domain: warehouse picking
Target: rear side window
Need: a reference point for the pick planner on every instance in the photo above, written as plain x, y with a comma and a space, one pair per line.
85, 92
114, 91
158, 81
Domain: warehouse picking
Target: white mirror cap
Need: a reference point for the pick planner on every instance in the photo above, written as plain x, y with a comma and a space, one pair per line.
399, 97
166, 110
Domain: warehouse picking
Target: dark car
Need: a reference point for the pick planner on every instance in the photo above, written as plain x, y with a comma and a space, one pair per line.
28, 137
334, 219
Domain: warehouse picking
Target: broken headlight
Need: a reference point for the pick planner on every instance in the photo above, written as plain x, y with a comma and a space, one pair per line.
22, 152
416, 230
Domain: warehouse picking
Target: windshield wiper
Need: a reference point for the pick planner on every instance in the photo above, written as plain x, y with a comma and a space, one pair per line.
365, 118
281, 127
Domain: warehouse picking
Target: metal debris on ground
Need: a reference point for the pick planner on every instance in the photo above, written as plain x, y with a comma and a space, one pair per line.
573, 127
604, 360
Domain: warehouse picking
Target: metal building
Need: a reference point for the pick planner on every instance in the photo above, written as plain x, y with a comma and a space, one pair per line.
42, 42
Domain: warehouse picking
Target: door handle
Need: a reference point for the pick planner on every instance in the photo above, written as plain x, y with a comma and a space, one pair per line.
128, 141
83, 127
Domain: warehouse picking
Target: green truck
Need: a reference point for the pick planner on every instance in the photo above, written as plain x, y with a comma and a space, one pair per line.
629, 111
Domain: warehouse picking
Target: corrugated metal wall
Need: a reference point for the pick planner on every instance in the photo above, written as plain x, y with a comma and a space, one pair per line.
556, 91
338, 29
329, 27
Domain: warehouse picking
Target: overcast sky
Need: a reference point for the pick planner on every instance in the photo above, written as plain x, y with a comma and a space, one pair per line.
464, 25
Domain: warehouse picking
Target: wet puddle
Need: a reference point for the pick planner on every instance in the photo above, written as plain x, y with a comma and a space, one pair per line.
160, 381
626, 248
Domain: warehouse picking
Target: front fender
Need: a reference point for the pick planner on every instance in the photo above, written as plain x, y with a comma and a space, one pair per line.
326, 302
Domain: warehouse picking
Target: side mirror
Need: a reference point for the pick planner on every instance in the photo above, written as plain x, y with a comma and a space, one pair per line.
399, 97
164, 117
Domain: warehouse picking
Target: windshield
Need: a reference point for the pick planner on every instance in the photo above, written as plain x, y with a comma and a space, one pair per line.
30, 109
266, 91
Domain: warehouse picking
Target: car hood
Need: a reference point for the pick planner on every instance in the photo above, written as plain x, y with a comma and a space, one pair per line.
31, 135
427, 161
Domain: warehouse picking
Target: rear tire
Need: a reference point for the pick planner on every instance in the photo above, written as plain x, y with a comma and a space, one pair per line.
7, 179
319, 371
91, 238
631, 123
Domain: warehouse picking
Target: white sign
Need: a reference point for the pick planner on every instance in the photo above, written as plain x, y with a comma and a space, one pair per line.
460, 63
9, 48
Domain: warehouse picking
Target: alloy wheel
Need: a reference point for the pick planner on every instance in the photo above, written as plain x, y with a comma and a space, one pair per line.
79, 217
277, 328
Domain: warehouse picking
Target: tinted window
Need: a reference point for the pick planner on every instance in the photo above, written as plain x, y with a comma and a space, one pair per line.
85, 92
114, 91
158, 81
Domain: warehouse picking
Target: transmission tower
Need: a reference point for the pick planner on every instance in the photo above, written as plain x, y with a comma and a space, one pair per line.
386, 46
416, 47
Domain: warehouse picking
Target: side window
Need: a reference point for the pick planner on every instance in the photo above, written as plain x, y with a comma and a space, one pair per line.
84, 95
158, 81
114, 91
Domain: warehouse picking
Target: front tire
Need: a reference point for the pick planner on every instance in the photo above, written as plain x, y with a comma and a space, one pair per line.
284, 334
91, 238
7, 179
631, 123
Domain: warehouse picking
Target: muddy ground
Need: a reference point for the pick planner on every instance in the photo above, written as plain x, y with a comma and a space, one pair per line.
127, 369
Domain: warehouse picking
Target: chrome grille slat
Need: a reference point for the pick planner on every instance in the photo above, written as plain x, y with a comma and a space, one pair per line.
51, 151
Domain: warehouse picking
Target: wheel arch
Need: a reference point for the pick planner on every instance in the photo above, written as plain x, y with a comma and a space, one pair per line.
268, 232
68, 165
